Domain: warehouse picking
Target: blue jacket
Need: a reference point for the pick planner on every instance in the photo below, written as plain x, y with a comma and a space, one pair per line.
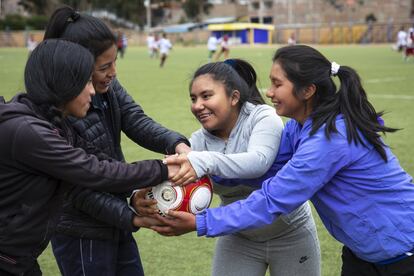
363, 201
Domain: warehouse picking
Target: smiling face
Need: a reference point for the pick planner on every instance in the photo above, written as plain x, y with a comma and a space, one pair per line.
79, 106
213, 108
104, 70
281, 93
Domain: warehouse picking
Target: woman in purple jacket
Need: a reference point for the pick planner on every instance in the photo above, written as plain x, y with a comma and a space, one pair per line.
331, 153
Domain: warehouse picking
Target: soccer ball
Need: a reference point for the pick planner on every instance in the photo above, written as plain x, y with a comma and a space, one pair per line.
192, 198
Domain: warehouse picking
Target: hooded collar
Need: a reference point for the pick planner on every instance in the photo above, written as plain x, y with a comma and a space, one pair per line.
19, 105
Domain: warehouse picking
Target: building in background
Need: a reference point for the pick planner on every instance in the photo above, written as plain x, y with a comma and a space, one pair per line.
228, 8
276, 12
291, 12
244, 33
11, 7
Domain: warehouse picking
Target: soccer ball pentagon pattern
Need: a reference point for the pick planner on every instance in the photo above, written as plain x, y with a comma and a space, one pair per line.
192, 198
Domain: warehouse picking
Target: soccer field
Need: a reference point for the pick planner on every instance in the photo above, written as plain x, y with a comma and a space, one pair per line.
163, 93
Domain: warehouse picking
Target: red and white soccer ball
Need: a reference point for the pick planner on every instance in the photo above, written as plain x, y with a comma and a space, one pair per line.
192, 198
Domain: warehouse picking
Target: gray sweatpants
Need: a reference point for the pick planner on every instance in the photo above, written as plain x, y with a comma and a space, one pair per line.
296, 253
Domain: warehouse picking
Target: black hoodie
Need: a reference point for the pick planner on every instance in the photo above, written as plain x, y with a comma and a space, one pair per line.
34, 161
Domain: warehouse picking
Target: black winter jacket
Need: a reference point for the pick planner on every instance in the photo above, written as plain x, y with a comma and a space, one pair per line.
95, 215
34, 162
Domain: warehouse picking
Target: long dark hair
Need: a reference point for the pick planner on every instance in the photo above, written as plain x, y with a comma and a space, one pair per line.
235, 74
88, 31
305, 66
56, 72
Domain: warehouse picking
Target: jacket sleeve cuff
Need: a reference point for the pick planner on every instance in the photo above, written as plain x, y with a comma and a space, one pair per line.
201, 224
164, 171
130, 204
133, 227
179, 141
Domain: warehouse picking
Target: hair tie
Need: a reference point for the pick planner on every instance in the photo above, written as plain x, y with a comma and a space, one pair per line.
74, 16
230, 62
334, 68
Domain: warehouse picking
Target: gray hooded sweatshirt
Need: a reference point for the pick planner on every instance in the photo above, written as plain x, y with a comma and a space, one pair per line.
248, 153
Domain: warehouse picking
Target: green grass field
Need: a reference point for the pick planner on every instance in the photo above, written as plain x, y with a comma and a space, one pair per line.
163, 93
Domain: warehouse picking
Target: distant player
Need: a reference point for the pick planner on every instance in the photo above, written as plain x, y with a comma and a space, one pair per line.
31, 43
409, 48
121, 43
402, 37
292, 39
212, 46
165, 47
225, 47
150, 41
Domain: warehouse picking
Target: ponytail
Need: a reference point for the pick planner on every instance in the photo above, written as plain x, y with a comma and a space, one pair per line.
88, 31
58, 22
248, 74
359, 114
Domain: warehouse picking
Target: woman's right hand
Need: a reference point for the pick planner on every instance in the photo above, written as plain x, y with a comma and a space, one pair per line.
186, 173
143, 206
175, 224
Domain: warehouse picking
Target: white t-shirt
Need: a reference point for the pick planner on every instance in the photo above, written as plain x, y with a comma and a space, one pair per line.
402, 38
212, 43
165, 46
410, 37
150, 41
31, 45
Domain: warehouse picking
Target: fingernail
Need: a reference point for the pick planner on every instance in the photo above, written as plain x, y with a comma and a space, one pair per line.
164, 162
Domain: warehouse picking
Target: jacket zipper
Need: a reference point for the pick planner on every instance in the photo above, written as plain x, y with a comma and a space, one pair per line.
225, 146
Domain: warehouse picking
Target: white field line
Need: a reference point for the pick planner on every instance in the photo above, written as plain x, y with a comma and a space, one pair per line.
389, 79
391, 97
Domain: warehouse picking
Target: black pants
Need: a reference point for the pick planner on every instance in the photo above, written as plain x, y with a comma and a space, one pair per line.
79, 257
354, 266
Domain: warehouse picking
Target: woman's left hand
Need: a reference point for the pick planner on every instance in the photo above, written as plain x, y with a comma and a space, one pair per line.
176, 223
